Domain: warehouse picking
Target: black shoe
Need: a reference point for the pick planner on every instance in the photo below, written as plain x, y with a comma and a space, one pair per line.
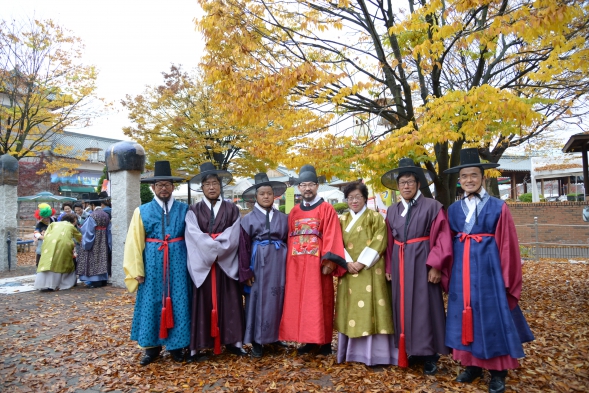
46, 290
257, 350
279, 343
307, 348
177, 355
325, 350
469, 374
237, 351
497, 384
430, 367
151, 354
199, 357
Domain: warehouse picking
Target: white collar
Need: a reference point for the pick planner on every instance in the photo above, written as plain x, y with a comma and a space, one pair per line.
471, 203
355, 217
317, 197
217, 205
406, 205
161, 203
260, 208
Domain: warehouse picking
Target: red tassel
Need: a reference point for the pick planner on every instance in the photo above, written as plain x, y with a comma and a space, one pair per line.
403, 362
467, 330
215, 332
170, 313
163, 329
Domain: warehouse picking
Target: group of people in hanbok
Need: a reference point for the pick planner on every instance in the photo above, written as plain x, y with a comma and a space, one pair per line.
76, 244
193, 265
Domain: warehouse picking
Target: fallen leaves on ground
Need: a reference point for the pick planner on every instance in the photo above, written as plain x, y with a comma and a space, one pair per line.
79, 339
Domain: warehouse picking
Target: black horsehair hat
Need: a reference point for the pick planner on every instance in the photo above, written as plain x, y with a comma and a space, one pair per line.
207, 169
162, 172
470, 158
307, 173
389, 179
261, 180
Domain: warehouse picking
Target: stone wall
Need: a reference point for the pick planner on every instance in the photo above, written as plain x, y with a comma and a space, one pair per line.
553, 214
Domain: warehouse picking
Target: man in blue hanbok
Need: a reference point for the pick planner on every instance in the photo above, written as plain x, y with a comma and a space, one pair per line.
484, 326
262, 263
155, 266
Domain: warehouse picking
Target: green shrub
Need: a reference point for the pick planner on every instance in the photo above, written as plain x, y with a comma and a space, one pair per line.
340, 207
282, 208
527, 197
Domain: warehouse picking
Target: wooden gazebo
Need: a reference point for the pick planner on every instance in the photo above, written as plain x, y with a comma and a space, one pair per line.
578, 144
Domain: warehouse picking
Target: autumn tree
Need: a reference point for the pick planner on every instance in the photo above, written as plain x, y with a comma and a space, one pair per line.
421, 82
44, 88
185, 122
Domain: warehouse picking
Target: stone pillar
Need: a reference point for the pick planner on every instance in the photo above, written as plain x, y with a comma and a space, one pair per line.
125, 161
8, 211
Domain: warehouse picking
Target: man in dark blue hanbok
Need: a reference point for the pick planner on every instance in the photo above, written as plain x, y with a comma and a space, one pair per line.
155, 267
484, 326
262, 263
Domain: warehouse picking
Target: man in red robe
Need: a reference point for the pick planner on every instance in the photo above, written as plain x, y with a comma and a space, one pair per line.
315, 254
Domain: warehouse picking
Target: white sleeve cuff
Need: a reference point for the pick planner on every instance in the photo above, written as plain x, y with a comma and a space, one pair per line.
348, 257
368, 256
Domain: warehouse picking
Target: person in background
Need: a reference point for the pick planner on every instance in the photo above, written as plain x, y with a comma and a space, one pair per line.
93, 258
105, 203
262, 263
66, 208
363, 312
45, 216
82, 215
56, 267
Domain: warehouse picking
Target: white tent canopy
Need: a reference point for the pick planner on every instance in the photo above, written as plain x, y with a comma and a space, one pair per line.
551, 168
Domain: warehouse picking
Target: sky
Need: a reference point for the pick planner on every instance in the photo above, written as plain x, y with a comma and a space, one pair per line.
131, 43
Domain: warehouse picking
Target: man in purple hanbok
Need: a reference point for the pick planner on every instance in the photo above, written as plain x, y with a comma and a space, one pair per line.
419, 258
485, 326
213, 230
262, 263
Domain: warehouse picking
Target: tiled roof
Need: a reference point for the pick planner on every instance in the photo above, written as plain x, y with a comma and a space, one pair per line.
515, 164
80, 142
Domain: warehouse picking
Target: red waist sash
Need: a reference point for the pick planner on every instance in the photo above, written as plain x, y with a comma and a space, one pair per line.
167, 315
100, 228
215, 333
467, 327
403, 362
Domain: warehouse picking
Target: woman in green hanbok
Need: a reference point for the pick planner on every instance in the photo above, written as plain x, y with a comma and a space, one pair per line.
56, 266
363, 312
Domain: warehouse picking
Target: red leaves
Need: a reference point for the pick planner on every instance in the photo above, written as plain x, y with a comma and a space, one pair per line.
79, 339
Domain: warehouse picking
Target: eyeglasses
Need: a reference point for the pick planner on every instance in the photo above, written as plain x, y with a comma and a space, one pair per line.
406, 183
355, 198
213, 184
304, 186
160, 186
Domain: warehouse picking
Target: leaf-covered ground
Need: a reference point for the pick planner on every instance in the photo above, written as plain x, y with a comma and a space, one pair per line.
78, 341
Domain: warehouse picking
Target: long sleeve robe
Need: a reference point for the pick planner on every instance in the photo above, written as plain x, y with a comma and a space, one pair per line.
203, 253
424, 306
96, 244
145, 259
315, 235
263, 304
495, 287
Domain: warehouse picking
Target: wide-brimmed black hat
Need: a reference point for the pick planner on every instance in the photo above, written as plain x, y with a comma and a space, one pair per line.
470, 158
162, 172
97, 198
207, 169
389, 179
261, 180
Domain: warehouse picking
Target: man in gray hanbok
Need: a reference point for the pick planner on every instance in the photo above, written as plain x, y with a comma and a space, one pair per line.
262, 263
